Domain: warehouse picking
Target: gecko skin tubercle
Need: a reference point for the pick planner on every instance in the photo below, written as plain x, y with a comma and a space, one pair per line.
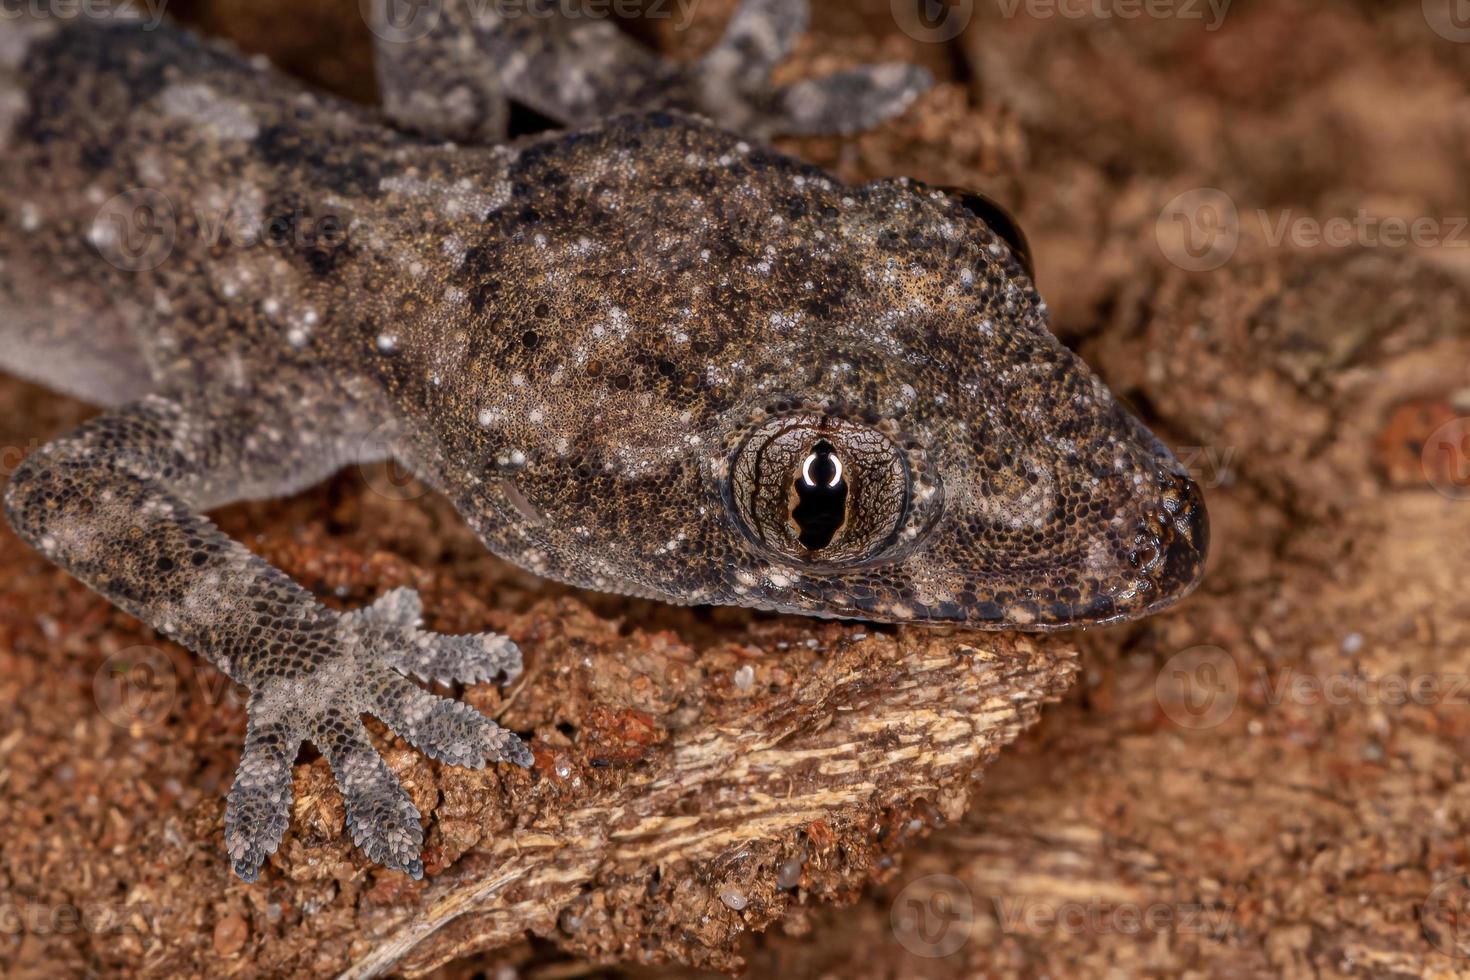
647, 354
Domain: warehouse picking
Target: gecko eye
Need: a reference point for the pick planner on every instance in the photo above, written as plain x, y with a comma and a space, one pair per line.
820, 490
999, 220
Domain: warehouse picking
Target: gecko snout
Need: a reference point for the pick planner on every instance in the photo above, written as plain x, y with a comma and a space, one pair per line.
1173, 540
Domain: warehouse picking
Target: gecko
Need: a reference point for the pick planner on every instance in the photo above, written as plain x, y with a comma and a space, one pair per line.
643, 353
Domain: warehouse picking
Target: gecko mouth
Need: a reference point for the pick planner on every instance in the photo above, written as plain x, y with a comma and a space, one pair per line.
1171, 542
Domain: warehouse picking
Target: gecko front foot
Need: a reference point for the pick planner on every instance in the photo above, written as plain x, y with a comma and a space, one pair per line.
735, 88
325, 704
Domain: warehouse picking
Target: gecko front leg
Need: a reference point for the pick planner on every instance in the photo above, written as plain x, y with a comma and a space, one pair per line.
118, 503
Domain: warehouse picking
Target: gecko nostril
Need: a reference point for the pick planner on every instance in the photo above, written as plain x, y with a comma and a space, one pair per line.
1185, 528
1146, 551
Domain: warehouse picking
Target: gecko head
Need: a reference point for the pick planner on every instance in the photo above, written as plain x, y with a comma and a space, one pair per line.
950, 461
725, 377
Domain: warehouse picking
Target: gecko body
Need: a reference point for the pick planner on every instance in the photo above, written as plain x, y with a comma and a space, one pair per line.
647, 355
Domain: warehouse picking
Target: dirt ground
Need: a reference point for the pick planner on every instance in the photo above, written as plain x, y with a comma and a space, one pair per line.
1268, 780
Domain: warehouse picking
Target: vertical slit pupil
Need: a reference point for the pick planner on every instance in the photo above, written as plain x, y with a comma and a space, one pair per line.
821, 492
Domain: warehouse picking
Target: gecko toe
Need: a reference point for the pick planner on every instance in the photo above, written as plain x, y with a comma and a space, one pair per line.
387, 633
396, 607
461, 659
849, 101
759, 35
258, 807
382, 819
443, 729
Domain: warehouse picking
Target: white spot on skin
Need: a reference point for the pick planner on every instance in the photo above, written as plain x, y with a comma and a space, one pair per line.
387, 343
459, 200
226, 119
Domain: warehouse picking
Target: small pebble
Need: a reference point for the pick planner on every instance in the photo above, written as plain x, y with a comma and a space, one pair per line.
789, 874
734, 899
230, 934
745, 678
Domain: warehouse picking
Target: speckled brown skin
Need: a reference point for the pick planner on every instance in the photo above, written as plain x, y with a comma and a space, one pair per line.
645, 357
